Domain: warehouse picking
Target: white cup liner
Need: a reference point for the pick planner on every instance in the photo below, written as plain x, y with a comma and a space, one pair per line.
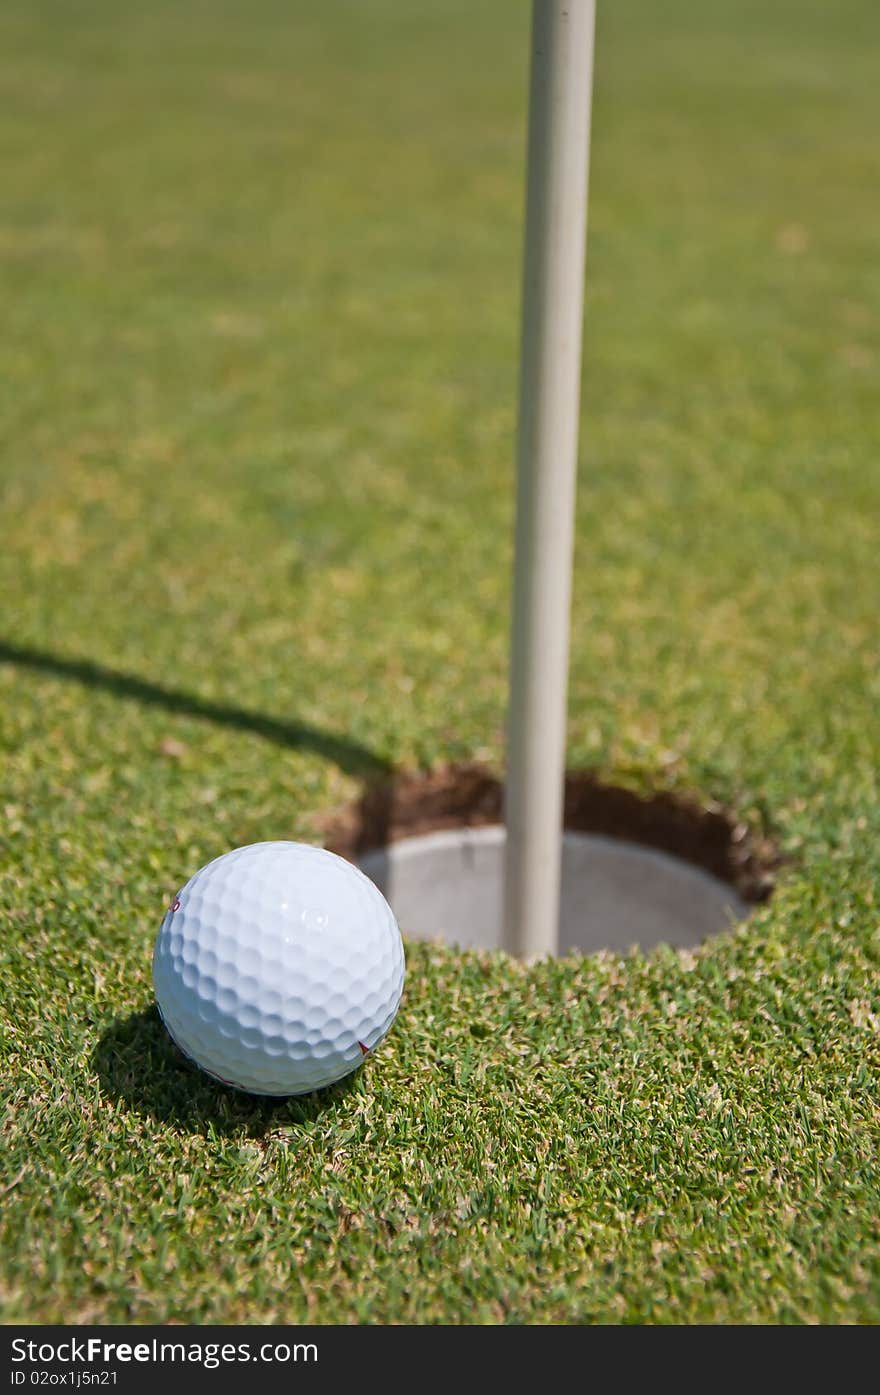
615, 894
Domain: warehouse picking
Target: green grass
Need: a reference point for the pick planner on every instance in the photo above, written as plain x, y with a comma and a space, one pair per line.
260, 273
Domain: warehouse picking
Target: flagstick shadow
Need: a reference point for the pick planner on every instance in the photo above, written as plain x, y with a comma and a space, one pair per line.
349, 755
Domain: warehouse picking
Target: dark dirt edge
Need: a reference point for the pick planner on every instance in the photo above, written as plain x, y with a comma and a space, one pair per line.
406, 805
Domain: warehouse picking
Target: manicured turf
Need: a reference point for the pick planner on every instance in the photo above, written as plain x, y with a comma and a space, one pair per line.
260, 273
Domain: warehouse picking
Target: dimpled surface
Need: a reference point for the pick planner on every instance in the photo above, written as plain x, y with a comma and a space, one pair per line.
278, 967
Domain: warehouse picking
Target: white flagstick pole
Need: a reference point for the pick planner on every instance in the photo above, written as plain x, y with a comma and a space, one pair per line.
556, 219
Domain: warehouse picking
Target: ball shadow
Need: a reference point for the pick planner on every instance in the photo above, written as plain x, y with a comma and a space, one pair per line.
139, 1066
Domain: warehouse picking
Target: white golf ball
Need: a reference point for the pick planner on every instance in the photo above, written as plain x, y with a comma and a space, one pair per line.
278, 968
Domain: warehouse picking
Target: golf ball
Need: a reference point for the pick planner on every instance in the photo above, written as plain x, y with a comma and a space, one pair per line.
278, 968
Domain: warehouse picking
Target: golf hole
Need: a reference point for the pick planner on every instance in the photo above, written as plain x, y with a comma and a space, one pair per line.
636, 872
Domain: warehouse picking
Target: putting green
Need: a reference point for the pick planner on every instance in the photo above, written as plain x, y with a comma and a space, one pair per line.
260, 275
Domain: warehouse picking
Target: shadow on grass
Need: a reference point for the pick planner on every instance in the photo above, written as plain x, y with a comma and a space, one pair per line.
139, 1066
348, 755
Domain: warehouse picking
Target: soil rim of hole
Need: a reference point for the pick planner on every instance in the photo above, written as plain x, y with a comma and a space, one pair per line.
704, 834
